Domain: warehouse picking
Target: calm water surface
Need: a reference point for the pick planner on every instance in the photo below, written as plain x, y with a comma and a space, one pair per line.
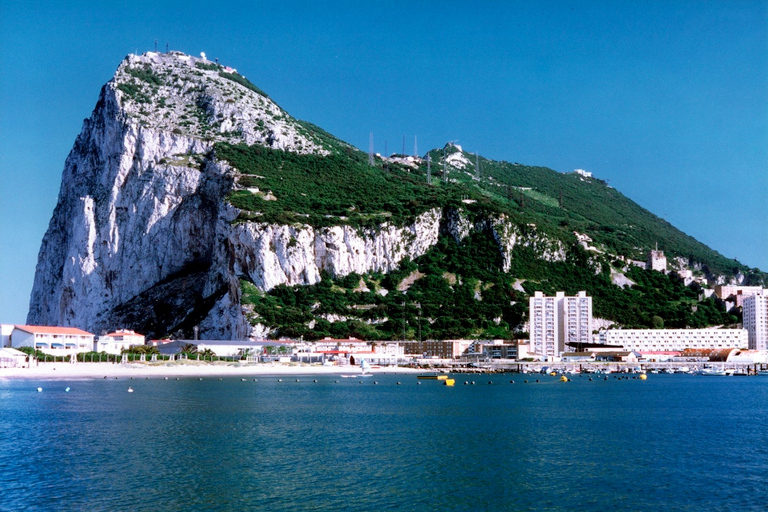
673, 442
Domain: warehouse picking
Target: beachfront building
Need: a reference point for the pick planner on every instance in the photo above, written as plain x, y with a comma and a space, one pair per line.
438, 349
5, 335
55, 341
670, 340
494, 349
116, 342
555, 321
755, 311
353, 351
12, 358
219, 348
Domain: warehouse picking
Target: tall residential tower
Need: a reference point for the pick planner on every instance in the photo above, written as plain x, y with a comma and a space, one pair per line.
755, 311
556, 321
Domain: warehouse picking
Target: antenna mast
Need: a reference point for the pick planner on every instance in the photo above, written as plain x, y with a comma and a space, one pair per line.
370, 150
445, 171
403, 153
415, 146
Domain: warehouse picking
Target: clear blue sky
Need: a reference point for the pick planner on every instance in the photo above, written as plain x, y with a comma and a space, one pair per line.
667, 100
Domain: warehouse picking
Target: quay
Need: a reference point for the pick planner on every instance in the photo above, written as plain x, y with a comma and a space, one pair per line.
501, 366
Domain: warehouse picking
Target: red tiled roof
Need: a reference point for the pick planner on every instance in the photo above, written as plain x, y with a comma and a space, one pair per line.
45, 329
353, 352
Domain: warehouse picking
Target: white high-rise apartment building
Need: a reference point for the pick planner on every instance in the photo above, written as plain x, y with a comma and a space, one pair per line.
755, 309
554, 321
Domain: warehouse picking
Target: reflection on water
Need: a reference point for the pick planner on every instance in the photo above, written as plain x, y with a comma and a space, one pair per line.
671, 442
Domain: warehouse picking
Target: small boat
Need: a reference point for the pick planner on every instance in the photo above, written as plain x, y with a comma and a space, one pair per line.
364, 367
130, 390
432, 377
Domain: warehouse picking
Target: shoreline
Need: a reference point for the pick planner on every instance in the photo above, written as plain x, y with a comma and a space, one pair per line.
80, 371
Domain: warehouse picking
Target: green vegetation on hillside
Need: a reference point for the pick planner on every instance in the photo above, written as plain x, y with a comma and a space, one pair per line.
586, 205
331, 190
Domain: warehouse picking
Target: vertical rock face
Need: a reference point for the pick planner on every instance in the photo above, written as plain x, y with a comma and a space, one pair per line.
141, 207
143, 237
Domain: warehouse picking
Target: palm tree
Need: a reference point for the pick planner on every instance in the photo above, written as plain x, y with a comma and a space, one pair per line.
189, 349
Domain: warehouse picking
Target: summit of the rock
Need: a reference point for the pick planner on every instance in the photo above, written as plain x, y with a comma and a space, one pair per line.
198, 98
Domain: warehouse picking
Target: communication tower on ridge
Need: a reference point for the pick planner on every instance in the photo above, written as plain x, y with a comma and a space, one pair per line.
370, 150
445, 171
403, 153
415, 146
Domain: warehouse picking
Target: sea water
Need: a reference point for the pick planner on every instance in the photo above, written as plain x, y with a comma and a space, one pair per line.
672, 442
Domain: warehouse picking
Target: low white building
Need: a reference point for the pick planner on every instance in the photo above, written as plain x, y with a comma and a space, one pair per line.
55, 341
12, 358
664, 340
5, 335
116, 342
220, 348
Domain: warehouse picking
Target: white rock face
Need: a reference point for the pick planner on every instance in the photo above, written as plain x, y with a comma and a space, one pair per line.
271, 255
139, 204
508, 236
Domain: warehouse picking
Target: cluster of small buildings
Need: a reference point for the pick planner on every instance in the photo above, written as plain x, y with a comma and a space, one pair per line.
60, 341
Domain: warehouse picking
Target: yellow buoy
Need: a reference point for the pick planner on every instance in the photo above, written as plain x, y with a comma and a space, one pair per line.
449, 382
554, 374
643, 376
563, 379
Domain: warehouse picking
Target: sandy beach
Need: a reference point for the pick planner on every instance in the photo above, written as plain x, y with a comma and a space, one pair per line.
67, 371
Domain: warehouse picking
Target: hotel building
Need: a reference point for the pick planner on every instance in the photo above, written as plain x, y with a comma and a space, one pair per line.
666, 340
58, 341
116, 342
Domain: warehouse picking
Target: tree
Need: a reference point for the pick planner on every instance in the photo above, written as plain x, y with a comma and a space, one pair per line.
189, 349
